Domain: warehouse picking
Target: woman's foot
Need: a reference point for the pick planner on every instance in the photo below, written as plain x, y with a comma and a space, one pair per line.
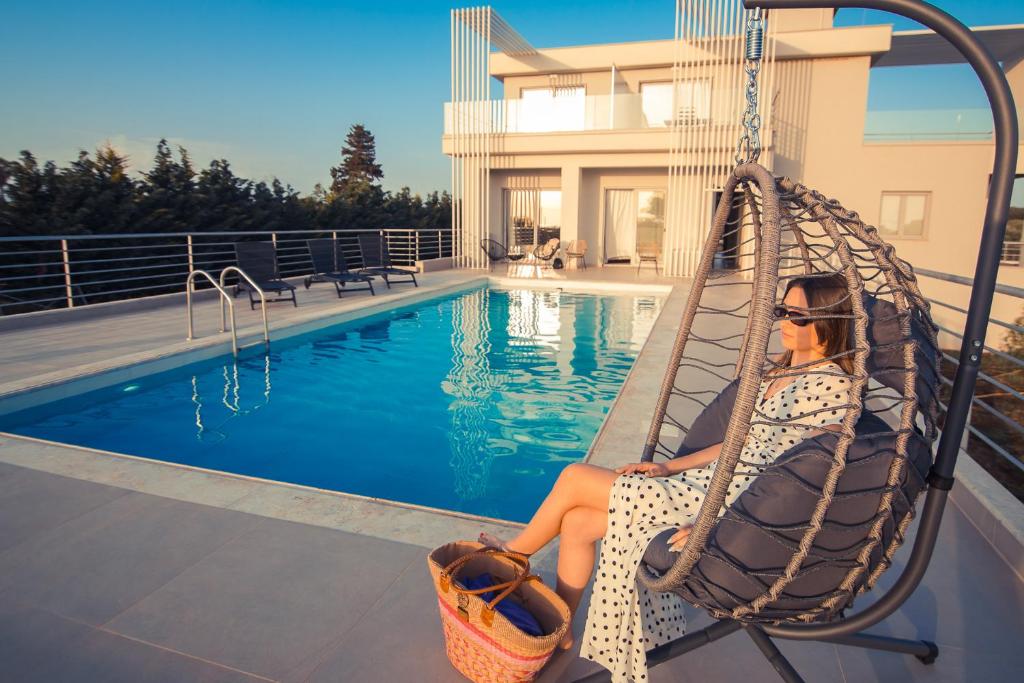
492, 541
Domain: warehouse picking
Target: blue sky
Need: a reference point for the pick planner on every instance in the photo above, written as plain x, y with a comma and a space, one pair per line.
273, 86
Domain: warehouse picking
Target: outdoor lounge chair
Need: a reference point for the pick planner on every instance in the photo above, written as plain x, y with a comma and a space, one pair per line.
258, 260
377, 260
329, 266
498, 253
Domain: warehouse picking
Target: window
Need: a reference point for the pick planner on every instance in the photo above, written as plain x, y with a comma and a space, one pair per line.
903, 214
1014, 225
693, 102
551, 109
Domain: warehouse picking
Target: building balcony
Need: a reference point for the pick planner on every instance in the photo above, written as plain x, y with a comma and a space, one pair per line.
594, 123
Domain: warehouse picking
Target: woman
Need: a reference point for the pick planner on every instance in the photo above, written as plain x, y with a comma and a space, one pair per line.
627, 507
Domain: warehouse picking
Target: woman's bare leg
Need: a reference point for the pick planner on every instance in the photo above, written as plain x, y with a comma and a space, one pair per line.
581, 528
579, 485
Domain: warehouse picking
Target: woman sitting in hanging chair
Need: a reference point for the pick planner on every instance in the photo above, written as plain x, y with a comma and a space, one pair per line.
627, 507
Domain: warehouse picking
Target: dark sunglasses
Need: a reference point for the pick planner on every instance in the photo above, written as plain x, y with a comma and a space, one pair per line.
796, 317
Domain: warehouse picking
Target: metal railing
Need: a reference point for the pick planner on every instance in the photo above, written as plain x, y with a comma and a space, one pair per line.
1011, 253
255, 287
189, 286
65, 271
994, 362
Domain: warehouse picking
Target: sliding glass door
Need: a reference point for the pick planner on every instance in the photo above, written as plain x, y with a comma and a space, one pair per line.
634, 220
532, 216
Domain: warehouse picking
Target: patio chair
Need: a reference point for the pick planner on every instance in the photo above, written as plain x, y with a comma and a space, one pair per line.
578, 251
377, 260
498, 253
544, 254
329, 266
647, 253
258, 260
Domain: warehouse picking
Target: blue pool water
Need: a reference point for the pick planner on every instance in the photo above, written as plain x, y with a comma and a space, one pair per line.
472, 402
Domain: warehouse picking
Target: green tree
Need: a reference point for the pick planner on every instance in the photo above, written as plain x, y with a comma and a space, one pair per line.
222, 199
29, 193
358, 161
167, 193
95, 194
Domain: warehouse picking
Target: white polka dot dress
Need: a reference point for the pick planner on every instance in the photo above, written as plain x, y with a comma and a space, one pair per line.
625, 619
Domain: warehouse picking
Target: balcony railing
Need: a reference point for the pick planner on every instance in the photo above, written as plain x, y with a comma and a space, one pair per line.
64, 271
593, 112
1011, 253
928, 124
995, 426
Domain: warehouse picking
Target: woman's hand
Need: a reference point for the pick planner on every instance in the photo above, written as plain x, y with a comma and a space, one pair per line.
651, 469
678, 539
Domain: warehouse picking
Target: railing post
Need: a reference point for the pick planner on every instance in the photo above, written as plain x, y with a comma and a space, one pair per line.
440, 245
67, 273
417, 246
191, 263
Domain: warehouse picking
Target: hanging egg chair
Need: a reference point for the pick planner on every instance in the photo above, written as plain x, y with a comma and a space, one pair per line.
787, 555
820, 523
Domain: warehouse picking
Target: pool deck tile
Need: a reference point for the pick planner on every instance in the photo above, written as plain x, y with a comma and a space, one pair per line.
37, 646
96, 565
291, 591
34, 502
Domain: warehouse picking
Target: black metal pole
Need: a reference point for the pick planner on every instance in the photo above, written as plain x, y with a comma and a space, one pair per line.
1001, 185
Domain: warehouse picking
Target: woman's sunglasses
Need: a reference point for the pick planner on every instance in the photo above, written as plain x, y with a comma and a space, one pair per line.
796, 317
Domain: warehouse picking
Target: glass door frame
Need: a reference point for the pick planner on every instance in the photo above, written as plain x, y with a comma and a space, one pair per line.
636, 190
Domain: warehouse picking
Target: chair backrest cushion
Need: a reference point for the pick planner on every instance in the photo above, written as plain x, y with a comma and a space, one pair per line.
887, 363
258, 260
374, 250
321, 253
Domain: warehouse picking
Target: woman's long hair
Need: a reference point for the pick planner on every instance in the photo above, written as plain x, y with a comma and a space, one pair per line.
827, 295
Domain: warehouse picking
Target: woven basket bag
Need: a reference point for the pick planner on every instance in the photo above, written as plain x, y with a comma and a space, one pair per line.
481, 643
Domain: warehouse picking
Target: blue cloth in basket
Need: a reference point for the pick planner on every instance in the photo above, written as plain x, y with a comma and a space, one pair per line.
518, 615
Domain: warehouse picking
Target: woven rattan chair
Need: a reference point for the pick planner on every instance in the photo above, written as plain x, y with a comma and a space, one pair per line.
647, 253
577, 250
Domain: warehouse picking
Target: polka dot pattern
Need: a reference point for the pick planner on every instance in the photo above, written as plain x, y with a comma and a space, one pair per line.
625, 619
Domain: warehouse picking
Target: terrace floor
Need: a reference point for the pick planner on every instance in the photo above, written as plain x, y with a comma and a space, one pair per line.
115, 568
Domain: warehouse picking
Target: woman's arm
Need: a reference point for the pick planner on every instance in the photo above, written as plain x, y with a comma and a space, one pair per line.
694, 460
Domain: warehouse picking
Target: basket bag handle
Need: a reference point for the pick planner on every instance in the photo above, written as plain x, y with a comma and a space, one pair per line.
520, 561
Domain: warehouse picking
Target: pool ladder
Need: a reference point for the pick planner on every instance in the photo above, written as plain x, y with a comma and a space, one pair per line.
225, 299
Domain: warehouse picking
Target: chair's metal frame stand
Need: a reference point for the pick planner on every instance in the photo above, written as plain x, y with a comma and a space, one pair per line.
847, 630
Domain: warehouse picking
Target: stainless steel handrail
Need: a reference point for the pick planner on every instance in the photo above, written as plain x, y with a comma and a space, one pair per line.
189, 284
263, 298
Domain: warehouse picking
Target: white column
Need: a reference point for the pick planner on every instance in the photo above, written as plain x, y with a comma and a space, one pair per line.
572, 177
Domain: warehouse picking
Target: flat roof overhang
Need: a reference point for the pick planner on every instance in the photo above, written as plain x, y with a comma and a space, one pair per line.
917, 48
835, 42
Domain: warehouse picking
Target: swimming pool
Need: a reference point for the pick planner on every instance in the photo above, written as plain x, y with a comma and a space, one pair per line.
472, 401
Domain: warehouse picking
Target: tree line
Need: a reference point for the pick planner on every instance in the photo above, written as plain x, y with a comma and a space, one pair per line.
96, 194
